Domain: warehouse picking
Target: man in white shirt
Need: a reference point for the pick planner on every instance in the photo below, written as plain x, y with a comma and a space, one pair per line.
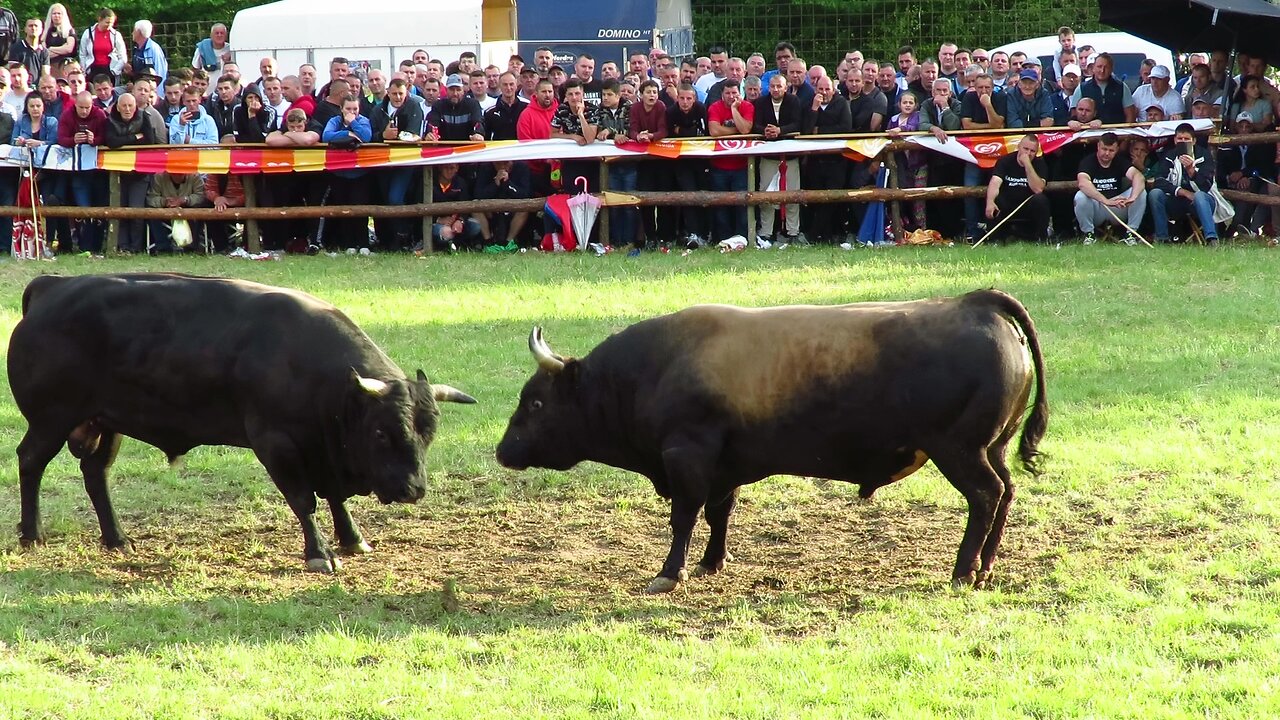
1158, 92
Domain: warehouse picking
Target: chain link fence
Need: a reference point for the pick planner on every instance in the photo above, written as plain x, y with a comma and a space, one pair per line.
179, 39
822, 32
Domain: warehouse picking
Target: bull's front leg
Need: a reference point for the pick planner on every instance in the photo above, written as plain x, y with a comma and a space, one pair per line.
684, 514
684, 459
317, 554
350, 539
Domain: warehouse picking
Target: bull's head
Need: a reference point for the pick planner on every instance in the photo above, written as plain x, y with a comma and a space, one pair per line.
547, 426
389, 426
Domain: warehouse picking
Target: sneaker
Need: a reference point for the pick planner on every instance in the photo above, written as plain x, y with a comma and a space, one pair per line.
762, 243
1088, 238
1128, 240
693, 242
799, 240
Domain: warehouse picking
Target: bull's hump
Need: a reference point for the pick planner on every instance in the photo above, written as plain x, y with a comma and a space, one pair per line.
763, 362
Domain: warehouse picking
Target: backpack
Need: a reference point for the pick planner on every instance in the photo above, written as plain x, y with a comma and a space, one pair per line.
9, 30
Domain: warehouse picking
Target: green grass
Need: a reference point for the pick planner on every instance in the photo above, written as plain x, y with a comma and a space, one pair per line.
1139, 578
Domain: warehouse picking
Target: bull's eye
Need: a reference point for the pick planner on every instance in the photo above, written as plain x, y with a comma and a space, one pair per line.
380, 436
535, 405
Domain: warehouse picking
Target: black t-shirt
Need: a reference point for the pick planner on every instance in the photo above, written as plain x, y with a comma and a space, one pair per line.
972, 109
1013, 176
1110, 181
864, 106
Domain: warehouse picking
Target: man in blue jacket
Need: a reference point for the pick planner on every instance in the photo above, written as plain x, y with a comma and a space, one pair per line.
1030, 105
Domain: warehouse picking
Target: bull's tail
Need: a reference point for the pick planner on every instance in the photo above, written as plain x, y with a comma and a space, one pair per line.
1038, 421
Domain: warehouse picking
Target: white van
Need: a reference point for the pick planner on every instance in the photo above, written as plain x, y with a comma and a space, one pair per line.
1127, 50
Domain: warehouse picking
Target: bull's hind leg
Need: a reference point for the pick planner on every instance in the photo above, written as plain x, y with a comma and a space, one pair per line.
717, 554
94, 466
971, 473
37, 449
350, 540
995, 456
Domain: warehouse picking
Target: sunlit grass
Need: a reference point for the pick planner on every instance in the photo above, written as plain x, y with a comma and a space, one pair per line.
1141, 577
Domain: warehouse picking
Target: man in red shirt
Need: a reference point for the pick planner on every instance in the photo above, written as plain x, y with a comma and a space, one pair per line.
535, 124
730, 115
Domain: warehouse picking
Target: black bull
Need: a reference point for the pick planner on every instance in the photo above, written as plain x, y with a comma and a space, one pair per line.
178, 361
711, 398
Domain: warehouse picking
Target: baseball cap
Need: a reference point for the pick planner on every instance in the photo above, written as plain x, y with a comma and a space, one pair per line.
1031, 60
1028, 75
1153, 105
1160, 71
146, 71
455, 80
1072, 69
1204, 100
1244, 117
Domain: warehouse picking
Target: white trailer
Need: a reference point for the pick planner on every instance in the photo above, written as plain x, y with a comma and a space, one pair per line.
379, 34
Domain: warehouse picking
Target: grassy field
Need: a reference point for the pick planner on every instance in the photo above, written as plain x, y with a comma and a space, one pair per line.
1139, 577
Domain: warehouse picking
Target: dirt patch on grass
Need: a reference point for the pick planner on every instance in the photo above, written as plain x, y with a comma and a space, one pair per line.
549, 562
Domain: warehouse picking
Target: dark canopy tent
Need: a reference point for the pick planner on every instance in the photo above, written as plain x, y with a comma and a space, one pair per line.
1248, 26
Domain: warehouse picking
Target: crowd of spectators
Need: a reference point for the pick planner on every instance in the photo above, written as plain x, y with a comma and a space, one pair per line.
92, 87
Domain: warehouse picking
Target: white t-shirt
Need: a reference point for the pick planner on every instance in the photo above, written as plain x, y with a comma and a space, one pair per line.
1144, 97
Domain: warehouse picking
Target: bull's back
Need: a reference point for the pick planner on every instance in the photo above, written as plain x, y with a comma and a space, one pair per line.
187, 341
763, 362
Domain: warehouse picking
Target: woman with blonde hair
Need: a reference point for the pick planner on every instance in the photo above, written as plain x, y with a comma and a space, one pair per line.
59, 37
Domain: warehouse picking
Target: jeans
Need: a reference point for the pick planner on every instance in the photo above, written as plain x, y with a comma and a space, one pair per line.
1091, 213
728, 220
1162, 206
623, 177
393, 189
88, 188
972, 209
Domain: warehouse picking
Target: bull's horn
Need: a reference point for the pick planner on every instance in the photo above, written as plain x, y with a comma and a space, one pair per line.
373, 386
547, 360
445, 393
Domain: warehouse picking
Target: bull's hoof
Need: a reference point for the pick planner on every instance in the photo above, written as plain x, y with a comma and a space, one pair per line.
360, 548
960, 584
324, 565
124, 547
704, 568
985, 580
30, 543
662, 584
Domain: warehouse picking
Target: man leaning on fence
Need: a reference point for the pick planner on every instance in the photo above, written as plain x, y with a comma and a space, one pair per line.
777, 116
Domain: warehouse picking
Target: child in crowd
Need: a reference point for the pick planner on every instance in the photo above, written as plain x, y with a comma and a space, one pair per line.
913, 169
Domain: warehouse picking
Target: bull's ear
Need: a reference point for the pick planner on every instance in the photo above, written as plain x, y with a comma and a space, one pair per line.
373, 386
422, 377
445, 393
